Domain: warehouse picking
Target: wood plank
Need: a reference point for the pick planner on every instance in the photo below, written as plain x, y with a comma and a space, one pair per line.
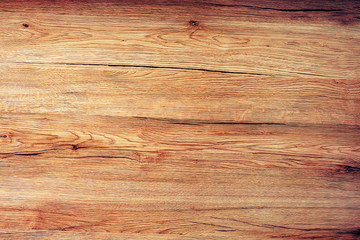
181, 119
177, 94
276, 38
67, 235
133, 175
50, 235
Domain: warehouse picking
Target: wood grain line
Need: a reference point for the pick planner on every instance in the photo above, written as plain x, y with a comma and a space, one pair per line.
181, 119
183, 95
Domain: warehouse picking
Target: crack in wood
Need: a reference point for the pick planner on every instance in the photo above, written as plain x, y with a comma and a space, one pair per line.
199, 122
277, 226
145, 66
276, 9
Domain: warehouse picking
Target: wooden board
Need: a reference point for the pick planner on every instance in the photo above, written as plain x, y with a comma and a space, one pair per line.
209, 35
138, 175
180, 95
179, 119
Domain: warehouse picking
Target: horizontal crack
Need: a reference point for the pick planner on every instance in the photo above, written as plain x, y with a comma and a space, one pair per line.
277, 9
146, 66
214, 225
197, 122
277, 226
296, 10
282, 73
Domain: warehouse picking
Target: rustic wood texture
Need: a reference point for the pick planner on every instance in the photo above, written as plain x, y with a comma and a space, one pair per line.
177, 94
205, 35
179, 119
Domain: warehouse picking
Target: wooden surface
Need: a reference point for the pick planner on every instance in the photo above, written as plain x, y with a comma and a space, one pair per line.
183, 119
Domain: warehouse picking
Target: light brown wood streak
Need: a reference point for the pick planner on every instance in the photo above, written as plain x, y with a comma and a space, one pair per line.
181, 178
163, 35
177, 94
178, 120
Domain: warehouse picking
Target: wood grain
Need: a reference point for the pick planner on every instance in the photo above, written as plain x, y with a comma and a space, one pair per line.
109, 174
183, 95
183, 119
183, 35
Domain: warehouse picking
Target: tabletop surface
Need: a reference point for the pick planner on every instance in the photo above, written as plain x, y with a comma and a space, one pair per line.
207, 119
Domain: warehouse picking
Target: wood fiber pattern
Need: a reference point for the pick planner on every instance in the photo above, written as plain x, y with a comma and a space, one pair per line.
184, 119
